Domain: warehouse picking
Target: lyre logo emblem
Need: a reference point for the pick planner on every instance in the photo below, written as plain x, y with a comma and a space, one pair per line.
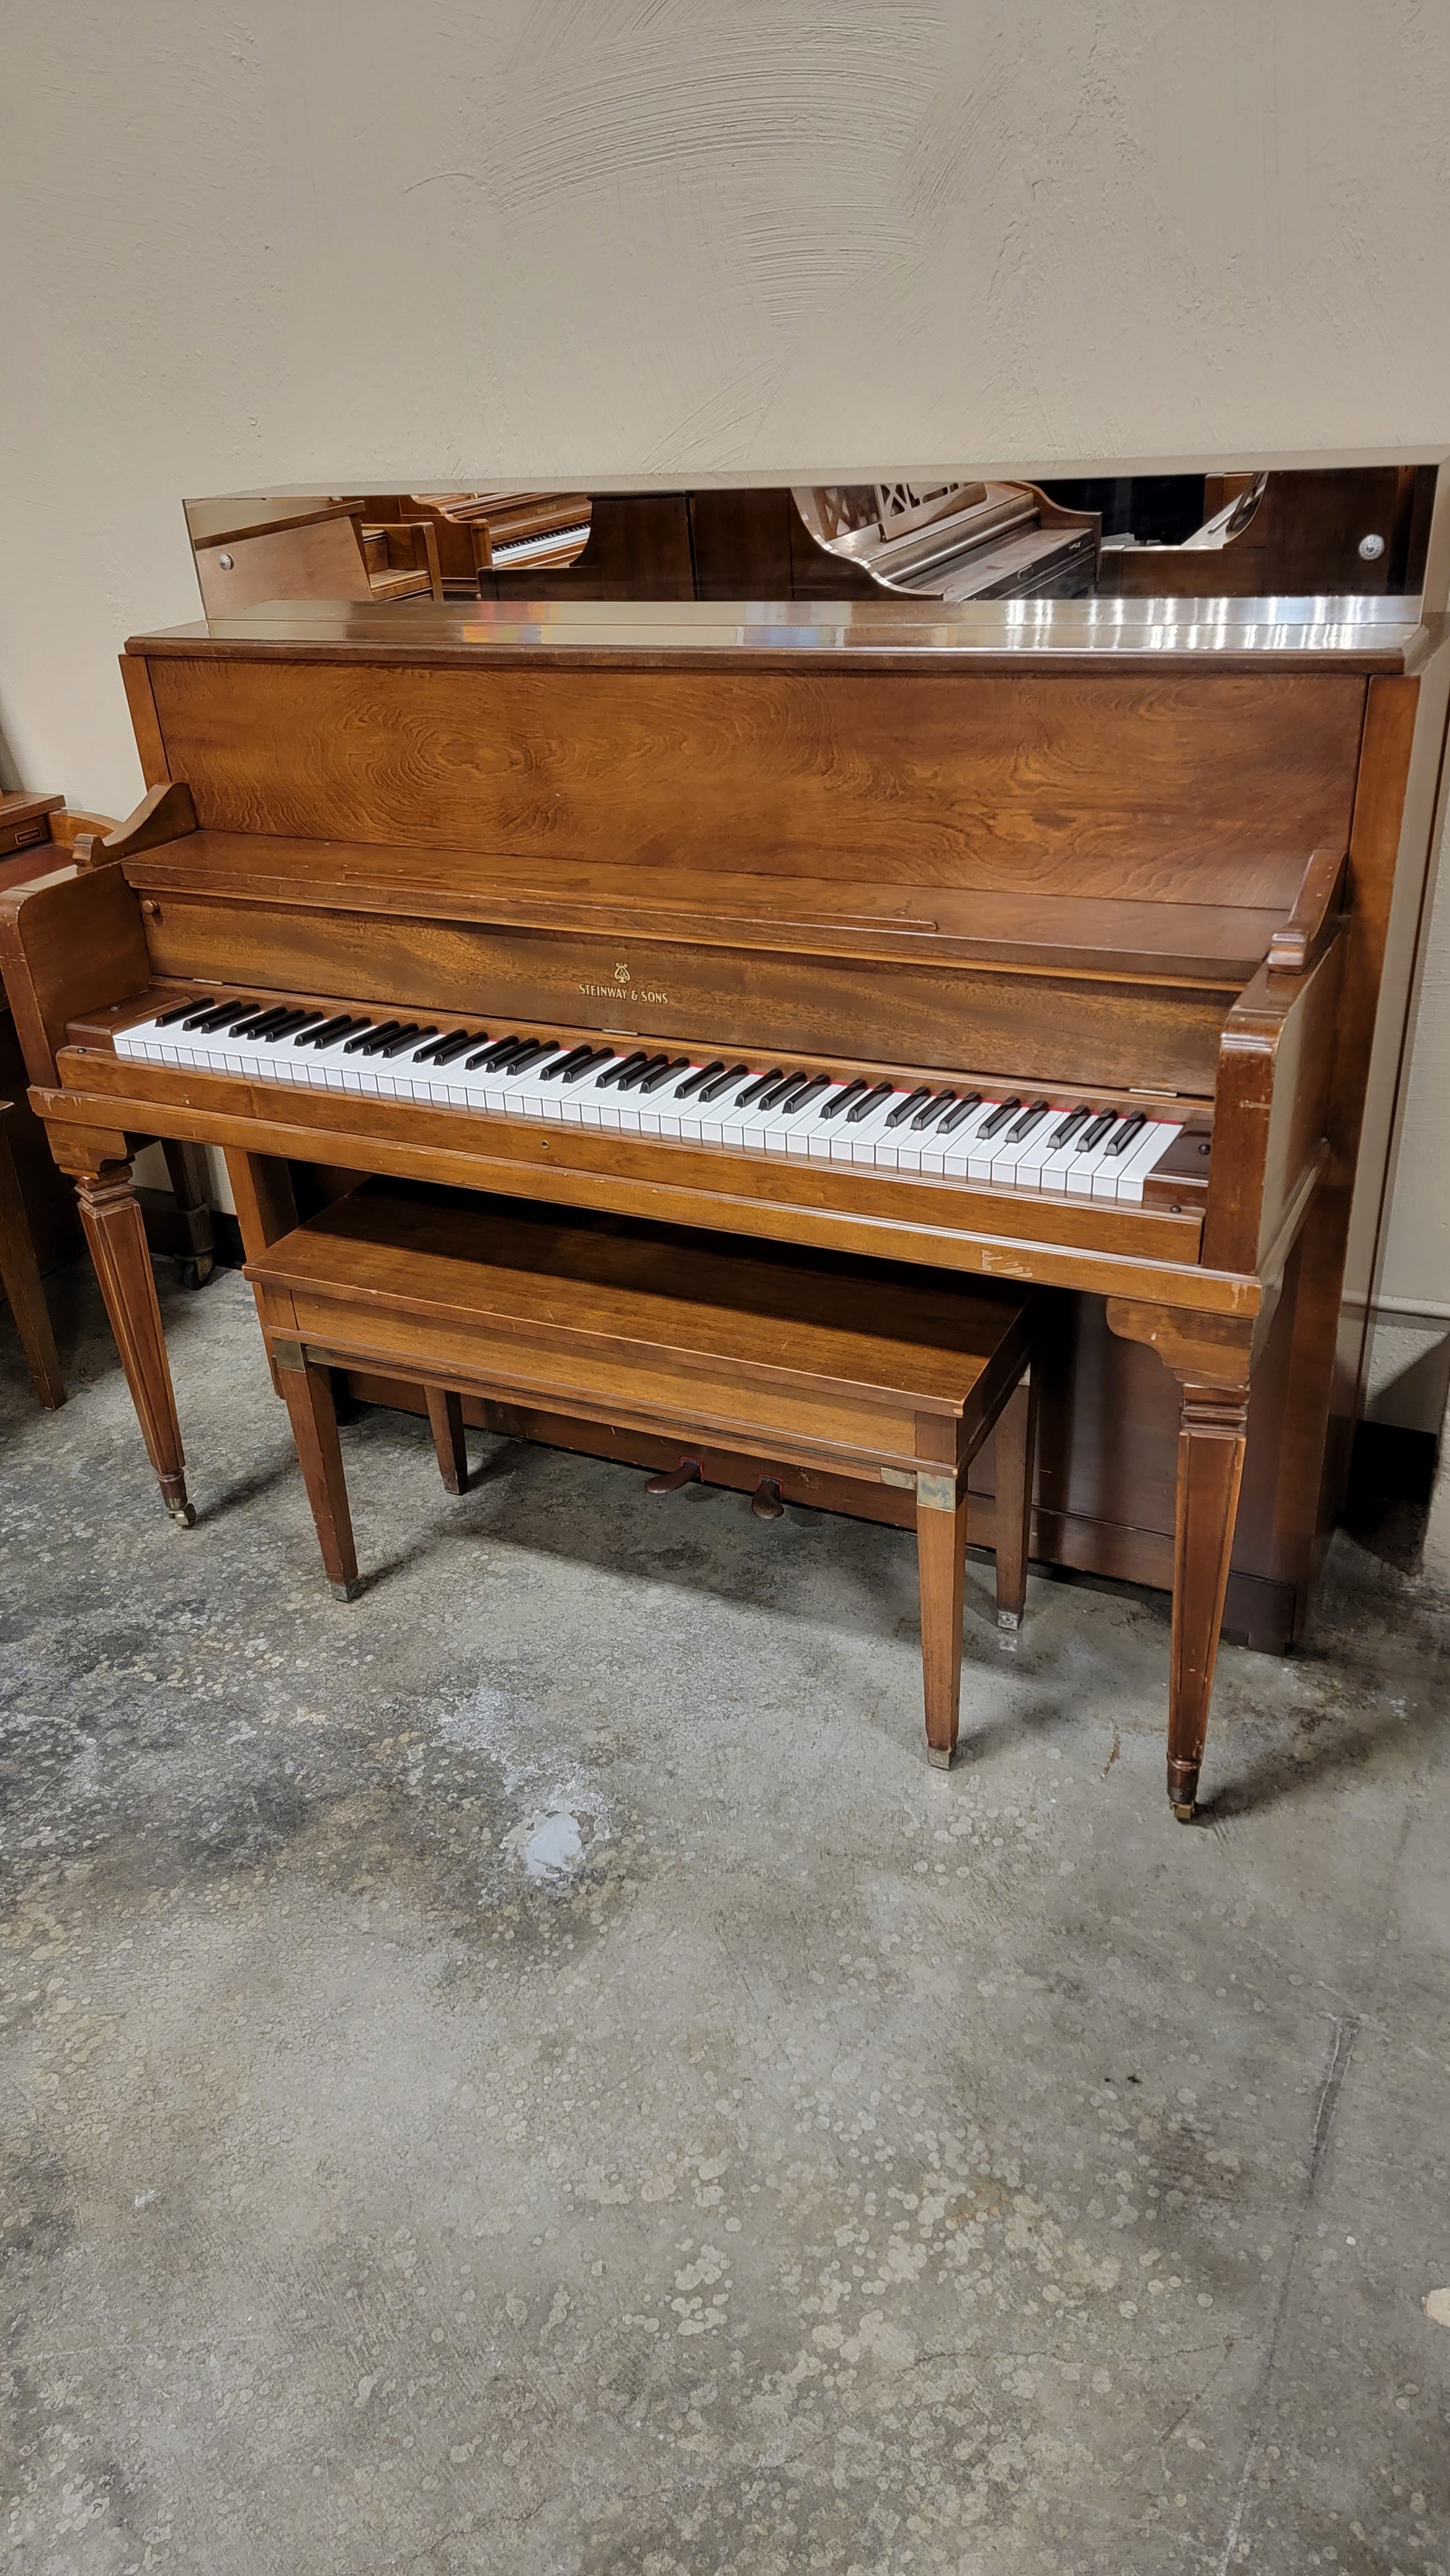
621, 973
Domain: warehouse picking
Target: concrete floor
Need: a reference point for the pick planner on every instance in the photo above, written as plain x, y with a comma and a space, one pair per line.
533, 2072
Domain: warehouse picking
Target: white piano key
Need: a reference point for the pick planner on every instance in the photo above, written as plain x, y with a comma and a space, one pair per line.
1143, 1157
1111, 1166
984, 1148
1007, 1160
856, 1143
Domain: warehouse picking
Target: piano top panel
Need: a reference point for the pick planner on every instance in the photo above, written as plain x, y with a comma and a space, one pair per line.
1343, 634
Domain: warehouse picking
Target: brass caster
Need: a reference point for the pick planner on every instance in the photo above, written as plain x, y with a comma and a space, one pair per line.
1009, 1619
940, 1756
346, 1591
1185, 1810
766, 1501
184, 1514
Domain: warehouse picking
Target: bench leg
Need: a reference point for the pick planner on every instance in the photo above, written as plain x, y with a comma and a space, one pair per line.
20, 1279
941, 1562
308, 1394
1016, 1458
445, 1414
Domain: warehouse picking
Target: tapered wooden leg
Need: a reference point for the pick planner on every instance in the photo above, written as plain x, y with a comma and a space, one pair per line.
445, 1413
20, 1279
116, 1233
941, 1562
1016, 1457
308, 1394
1210, 1468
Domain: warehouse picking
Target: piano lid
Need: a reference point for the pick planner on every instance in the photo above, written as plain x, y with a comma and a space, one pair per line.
1373, 634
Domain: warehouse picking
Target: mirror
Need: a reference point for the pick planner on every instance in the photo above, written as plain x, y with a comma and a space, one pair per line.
1338, 532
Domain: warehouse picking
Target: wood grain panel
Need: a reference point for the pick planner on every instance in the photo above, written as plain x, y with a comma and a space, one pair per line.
1024, 1027
1211, 788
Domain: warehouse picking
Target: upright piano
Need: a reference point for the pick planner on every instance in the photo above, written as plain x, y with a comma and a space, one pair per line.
1061, 923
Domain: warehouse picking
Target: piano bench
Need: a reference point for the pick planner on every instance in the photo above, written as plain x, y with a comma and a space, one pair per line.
882, 1382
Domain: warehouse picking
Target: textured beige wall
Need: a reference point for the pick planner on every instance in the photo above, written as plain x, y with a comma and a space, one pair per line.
281, 243
287, 242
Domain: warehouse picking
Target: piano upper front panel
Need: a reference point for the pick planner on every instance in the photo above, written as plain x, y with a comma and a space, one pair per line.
1026, 1027
1209, 787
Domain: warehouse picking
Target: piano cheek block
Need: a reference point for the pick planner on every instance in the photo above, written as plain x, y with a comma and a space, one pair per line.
1179, 1182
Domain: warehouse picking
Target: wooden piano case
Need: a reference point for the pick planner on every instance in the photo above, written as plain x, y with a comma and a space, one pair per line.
1065, 849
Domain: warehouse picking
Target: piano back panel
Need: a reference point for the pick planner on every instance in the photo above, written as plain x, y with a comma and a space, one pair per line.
1204, 788
1036, 1028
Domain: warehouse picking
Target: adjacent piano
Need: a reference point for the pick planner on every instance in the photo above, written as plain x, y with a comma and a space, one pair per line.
1039, 939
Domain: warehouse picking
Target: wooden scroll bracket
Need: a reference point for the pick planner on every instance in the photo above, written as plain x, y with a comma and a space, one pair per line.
115, 1231
1212, 1357
1297, 942
164, 814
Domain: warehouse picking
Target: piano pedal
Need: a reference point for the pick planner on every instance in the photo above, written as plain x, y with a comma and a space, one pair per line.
767, 1502
669, 1481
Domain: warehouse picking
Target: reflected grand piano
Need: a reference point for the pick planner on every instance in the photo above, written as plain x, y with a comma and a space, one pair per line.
1034, 939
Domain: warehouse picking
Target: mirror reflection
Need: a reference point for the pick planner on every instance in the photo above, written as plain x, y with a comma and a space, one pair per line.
1356, 532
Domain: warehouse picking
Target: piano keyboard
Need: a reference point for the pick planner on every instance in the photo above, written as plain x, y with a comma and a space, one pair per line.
1013, 1139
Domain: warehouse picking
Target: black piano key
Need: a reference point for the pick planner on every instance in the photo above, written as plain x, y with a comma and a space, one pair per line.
324, 1031
864, 1108
843, 1099
1128, 1130
625, 1064
594, 1061
577, 1056
808, 1092
912, 1101
181, 1011
935, 1108
693, 1082
495, 1055
376, 1039
1028, 1120
1064, 1134
258, 1024
656, 1081
630, 1080
443, 1050
778, 1091
288, 1027
406, 1040
757, 1090
531, 1054
958, 1117
1102, 1126
724, 1082
214, 1015
364, 1030
992, 1126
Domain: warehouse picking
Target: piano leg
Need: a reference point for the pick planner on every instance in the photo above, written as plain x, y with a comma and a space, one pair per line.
941, 1561
116, 1233
1211, 1445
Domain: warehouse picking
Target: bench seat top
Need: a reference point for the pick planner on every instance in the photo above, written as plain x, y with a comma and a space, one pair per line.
508, 1265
